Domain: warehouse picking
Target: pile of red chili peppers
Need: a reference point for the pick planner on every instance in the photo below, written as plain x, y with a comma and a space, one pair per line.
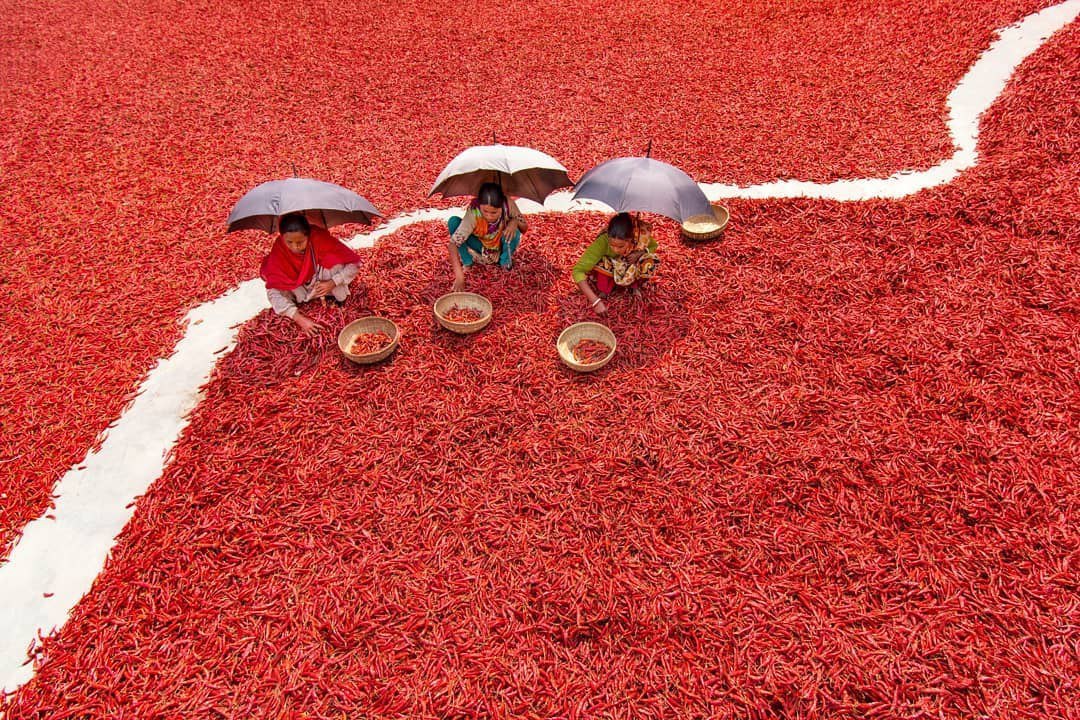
830, 473
590, 351
368, 342
463, 314
128, 133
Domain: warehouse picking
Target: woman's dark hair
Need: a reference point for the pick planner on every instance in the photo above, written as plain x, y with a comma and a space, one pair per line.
294, 222
490, 194
621, 227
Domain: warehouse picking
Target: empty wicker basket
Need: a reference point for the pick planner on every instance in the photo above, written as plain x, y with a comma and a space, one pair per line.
369, 324
471, 301
577, 332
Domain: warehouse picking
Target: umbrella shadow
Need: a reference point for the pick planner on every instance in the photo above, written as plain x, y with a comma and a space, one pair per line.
520, 290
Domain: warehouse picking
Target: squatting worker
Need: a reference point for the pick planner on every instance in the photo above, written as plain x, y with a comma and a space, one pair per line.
489, 233
306, 263
624, 255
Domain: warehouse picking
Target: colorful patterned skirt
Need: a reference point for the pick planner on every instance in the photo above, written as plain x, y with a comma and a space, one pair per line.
612, 272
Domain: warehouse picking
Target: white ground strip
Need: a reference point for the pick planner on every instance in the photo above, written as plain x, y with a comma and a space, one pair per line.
55, 561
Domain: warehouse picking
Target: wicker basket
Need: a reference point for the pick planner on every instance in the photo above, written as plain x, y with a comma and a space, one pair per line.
464, 300
704, 227
584, 331
368, 325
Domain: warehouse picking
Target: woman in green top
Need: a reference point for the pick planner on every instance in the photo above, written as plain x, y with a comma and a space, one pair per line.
622, 256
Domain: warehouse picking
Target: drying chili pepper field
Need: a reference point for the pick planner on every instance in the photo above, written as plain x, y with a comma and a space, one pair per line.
832, 471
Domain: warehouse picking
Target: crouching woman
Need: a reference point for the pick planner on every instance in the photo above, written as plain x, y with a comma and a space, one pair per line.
306, 263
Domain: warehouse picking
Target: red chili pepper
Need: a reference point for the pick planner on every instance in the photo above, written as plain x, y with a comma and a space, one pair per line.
463, 314
829, 474
367, 343
590, 351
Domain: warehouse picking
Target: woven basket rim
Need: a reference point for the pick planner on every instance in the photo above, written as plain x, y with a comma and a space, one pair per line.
462, 327
352, 328
607, 336
720, 215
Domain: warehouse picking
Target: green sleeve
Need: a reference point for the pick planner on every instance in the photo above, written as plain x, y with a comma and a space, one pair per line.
652, 245
590, 257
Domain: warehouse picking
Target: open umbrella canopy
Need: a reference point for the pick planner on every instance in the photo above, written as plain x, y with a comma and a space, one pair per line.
630, 184
521, 171
261, 207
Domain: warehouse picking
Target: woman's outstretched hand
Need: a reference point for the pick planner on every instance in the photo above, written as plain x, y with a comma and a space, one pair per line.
309, 326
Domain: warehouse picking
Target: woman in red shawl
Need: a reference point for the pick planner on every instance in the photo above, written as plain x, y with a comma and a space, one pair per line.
306, 263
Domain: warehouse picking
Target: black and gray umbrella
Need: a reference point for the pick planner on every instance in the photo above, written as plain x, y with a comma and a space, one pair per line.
520, 171
629, 184
261, 207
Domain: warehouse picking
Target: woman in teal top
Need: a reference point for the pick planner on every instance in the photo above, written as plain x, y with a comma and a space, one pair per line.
622, 256
489, 233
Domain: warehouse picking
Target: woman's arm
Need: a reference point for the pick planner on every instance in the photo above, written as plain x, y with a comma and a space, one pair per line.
457, 239
465, 229
517, 217
584, 266
455, 265
595, 301
344, 274
589, 258
340, 274
284, 303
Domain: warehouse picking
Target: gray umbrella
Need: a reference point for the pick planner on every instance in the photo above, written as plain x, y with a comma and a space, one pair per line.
643, 184
261, 207
521, 171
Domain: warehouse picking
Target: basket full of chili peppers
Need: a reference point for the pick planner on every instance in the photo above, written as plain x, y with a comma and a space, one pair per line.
463, 312
586, 346
368, 339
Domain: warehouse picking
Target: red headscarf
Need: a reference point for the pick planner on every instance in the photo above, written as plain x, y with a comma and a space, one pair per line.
282, 269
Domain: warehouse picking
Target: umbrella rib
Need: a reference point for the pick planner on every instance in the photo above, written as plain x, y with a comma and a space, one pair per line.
478, 164
629, 179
